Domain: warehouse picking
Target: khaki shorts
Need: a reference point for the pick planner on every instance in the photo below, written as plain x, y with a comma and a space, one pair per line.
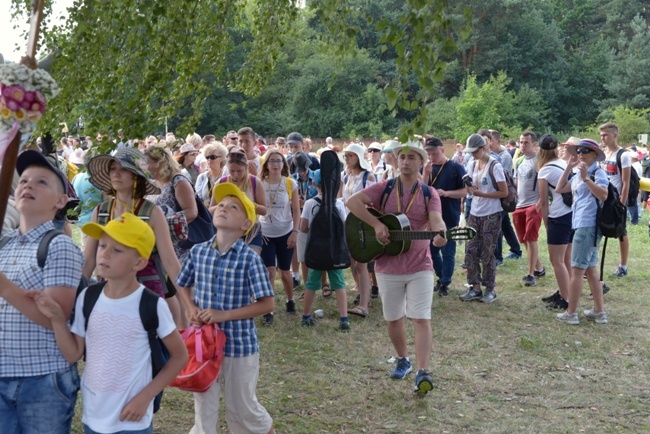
406, 295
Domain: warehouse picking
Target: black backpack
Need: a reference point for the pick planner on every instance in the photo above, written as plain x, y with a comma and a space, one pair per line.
567, 197
327, 248
633, 192
149, 317
611, 214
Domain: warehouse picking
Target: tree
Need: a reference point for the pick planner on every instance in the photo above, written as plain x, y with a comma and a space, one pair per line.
631, 122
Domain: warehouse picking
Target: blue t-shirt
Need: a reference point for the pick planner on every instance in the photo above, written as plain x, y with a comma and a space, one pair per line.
448, 177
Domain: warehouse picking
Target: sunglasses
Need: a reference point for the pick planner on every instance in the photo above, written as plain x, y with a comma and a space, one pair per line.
583, 151
374, 150
213, 157
234, 139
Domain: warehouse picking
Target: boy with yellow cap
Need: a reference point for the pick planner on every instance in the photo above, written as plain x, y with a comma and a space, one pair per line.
117, 385
227, 275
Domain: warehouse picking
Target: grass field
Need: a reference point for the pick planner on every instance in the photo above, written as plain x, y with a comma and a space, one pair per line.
508, 367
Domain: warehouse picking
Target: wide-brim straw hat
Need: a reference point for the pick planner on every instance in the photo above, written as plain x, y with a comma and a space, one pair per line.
361, 153
411, 145
129, 158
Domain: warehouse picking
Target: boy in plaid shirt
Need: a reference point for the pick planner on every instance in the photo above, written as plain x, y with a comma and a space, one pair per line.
227, 275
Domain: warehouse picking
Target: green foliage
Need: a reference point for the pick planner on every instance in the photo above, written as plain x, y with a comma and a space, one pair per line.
631, 122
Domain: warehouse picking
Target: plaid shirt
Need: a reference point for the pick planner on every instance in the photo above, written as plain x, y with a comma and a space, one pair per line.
26, 348
226, 281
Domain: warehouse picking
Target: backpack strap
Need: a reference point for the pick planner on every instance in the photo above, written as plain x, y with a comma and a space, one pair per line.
149, 317
104, 211
426, 191
491, 172
90, 299
253, 179
143, 209
44, 246
390, 186
619, 164
288, 185
364, 179
559, 167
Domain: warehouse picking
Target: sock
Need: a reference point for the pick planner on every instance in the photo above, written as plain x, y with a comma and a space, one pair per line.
288, 300
296, 276
624, 267
344, 319
304, 317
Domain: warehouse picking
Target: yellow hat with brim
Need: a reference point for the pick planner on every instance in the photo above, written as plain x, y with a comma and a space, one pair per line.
229, 189
128, 230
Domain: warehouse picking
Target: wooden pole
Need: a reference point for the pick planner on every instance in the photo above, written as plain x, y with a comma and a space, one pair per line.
11, 155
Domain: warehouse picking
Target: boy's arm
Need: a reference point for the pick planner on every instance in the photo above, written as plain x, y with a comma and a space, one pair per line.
261, 306
137, 407
71, 346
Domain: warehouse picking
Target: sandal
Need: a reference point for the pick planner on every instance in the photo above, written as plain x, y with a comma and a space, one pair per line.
359, 311
327, 292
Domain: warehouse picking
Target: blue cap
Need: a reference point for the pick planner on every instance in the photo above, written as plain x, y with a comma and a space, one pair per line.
316, 178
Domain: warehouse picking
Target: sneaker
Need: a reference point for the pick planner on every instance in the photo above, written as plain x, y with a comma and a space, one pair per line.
423, 382
402, 369
472, 294
513, 256
436, 287
620, 272
499, 262
560, 303
344, 326
599, 317
539, 273
309, 322
489, 296
443, 291
374, 292
606, 288
569, 318
290, 307
267, 319
296, 283
529, 280
551, 298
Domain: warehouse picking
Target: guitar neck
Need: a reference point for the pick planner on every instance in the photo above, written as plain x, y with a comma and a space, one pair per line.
415, 235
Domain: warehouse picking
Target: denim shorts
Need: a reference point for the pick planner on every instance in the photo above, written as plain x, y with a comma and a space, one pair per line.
584, 254
39, 404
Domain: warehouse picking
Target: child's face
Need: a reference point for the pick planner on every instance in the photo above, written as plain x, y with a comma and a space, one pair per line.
115, 260
230, 214
39, 190
121, 179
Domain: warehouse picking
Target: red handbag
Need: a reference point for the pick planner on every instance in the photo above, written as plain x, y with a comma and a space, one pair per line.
205, 346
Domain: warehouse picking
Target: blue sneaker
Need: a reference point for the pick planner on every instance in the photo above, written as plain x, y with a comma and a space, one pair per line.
402, 369
513, 256
423, 382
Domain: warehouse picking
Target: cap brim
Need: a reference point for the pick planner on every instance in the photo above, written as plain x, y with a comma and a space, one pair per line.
228, 189
95, 230
31, 157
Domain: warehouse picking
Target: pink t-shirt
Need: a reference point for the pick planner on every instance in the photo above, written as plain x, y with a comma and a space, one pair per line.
418, 258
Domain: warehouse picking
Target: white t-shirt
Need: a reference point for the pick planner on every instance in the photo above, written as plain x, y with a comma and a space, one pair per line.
278, 220
484, 206
612, 169
118, 364
527, 190
311, 209
354, 184
552, 172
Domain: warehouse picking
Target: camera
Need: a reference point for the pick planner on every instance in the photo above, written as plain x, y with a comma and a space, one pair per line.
467, 180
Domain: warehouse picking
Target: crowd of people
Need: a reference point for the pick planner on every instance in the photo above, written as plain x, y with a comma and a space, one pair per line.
137, 203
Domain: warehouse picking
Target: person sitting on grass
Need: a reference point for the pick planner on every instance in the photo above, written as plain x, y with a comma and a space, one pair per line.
313, 282
117, 385
227, 275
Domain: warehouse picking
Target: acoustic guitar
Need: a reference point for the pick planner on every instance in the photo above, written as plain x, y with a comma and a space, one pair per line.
364, 246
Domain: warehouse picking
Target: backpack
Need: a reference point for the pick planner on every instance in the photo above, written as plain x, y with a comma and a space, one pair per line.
567, 197
149, 317
633, 192
252, 178
42, 251
327, 247
390, 185
612, 214
364, 180
508, 203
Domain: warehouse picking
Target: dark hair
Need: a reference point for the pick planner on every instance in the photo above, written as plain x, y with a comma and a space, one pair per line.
433, 141
530, 134
247, 131
485, 133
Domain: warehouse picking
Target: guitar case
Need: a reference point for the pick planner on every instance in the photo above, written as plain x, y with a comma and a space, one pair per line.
327, 248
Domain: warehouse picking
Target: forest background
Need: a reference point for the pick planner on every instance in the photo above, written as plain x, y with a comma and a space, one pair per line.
359, 68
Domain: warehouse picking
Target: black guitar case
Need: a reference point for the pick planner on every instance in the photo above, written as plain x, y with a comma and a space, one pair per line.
326, 245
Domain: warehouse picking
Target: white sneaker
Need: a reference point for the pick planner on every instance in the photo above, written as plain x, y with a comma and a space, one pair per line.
569, 318
599, 317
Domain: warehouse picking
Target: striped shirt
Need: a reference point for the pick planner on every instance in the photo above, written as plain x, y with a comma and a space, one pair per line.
26, 348
226, 281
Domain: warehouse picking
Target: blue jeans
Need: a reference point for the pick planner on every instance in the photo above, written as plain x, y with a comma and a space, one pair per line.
149, 430
634, 214
511, 238
42, 404
444, 260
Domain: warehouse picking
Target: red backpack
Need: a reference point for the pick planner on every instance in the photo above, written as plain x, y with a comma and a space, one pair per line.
205, 348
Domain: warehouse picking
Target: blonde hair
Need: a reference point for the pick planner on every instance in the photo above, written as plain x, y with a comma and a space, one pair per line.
216, 148
245, 183
167, 166
194, 139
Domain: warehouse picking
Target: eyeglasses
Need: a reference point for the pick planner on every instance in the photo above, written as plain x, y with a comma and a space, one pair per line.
348, 156
213, 157
583, 151
374, 150
276, 161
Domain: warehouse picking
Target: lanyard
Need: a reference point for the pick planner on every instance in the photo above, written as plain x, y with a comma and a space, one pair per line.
400, 192
437, 174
